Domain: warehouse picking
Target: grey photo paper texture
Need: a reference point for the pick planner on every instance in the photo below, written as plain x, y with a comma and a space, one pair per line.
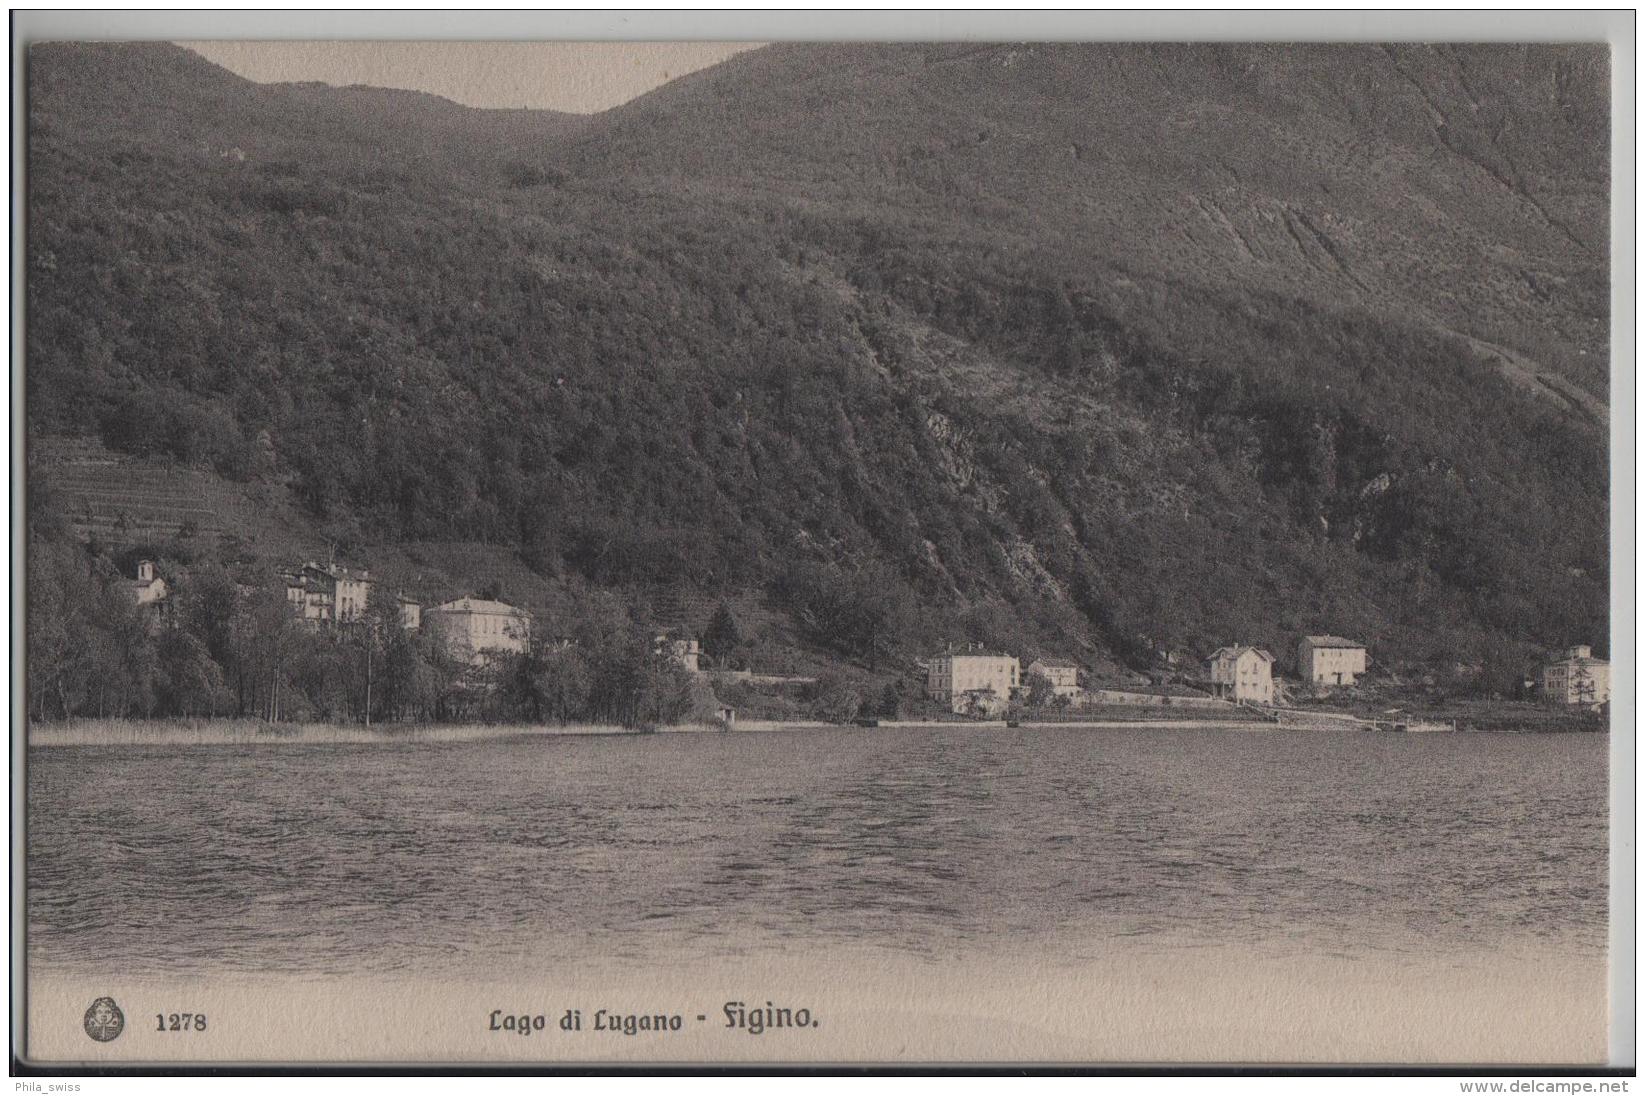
545, 552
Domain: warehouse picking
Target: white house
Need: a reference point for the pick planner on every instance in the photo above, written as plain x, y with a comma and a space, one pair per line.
150, 592
1063, 675
148, 588
1575, 676
1242, 673
474, 630
972, 680
1330, 660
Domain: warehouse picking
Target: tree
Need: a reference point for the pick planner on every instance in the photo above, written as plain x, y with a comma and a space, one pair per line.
266, 641
206, 603
52, 647
1583, 686
90, 651
377, 631
548, 685
890, 701
633, 685
409, 683
836, 699
326, 669
1501, 669
1038, 691
665, 693
563, 684
722, 638
193, 682
867, 612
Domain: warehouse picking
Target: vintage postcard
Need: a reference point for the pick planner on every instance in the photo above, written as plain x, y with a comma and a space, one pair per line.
918, 552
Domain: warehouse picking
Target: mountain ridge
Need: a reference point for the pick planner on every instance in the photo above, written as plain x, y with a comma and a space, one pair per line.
871, 362
1293, 215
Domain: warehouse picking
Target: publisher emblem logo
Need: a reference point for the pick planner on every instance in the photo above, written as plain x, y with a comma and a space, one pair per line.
104, 1020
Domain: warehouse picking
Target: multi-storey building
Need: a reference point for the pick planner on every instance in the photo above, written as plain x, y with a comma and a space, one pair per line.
972, 680
475, 631
1330, 660
327, 594
1242, 673
1063, 675
1575, 676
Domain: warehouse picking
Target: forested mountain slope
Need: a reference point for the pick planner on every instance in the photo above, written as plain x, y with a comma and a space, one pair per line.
1099, 349
1463, 186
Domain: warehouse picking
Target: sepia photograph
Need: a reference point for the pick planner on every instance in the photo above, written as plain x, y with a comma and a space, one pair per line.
873, 552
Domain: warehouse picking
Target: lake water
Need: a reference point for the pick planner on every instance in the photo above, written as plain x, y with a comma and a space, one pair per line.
503, 858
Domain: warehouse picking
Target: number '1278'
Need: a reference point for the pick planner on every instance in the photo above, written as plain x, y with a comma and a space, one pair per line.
180, 1021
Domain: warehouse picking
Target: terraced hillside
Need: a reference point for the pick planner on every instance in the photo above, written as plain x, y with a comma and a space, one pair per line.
123, 501
120, 502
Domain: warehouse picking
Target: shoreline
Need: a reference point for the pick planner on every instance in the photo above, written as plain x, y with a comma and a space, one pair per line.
237, 733
225, 732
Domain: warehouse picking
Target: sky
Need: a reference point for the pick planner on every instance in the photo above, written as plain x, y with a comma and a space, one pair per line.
582, 77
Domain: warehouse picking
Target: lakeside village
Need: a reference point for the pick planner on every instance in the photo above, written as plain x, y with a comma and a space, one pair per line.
489, 650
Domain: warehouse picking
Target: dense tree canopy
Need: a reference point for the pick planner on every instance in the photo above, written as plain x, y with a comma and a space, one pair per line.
905, 418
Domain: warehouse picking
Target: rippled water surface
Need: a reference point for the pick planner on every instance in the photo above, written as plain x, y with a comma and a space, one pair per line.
510, 856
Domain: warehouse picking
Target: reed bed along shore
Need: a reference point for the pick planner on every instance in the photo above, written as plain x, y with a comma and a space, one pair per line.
246, 732
188, 732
